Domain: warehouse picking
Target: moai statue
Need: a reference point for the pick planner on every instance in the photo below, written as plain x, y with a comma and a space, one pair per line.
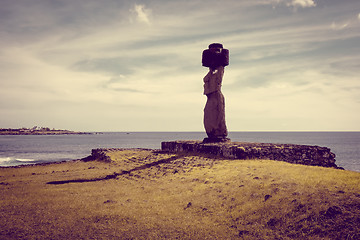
215, 58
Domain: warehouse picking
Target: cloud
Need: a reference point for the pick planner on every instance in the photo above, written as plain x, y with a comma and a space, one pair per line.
302, 3
290, 3
336, 26
345, 22
142, 13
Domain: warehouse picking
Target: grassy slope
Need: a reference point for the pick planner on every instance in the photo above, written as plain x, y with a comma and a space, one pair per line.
157, 195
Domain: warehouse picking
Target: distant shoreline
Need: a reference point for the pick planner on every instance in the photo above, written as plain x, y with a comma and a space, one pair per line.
38, 131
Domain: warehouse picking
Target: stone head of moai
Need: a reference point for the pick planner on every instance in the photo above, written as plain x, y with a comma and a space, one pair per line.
215, 56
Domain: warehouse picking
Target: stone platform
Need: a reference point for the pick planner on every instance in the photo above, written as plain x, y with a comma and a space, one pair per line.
291, 153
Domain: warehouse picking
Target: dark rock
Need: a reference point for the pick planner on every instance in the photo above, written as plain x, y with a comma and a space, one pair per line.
267, 197
243, 232
188, 205
272, 222
300, 208
332, 212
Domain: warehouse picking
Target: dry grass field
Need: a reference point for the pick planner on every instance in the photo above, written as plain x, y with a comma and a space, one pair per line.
145, 194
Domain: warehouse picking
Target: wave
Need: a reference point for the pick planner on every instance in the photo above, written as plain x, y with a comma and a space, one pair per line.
6, 159
11, 161
25, 160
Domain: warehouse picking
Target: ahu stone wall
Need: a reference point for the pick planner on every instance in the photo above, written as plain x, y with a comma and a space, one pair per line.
291, 153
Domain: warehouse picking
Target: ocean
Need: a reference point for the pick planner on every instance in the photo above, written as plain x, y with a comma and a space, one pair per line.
30, 149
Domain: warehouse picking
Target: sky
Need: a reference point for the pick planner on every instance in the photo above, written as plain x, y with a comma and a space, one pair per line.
122, 65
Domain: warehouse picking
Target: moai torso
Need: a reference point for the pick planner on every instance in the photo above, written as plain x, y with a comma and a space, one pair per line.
213, 80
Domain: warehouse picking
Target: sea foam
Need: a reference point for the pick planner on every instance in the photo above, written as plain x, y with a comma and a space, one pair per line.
11, 161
